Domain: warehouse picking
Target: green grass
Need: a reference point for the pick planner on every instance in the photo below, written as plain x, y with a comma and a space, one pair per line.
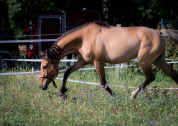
23, 103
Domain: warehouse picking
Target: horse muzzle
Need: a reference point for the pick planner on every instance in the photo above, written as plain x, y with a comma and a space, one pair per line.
43, 87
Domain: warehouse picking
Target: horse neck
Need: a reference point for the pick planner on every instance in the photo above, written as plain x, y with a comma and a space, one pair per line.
70, 44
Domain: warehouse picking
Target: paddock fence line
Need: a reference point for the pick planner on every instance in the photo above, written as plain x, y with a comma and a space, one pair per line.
23, 41
66, 60
91, 83
77, 81
32, 40
28, 35
39, 60
37, 72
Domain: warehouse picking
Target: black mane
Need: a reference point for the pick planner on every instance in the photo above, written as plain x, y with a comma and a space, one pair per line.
55, 49
46, 55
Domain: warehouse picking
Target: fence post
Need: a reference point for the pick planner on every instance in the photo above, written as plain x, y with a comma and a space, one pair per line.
162, 23
32, 69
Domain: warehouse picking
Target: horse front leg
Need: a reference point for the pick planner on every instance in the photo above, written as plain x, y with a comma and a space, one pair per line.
79, 64
101, 73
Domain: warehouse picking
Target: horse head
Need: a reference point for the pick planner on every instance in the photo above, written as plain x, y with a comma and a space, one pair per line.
49, 70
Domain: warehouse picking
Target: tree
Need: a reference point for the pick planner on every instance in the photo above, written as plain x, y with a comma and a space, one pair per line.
4, 15
125, 12
16, 10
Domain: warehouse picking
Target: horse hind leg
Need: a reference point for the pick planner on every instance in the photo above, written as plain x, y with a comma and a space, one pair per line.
149, 77
161, 63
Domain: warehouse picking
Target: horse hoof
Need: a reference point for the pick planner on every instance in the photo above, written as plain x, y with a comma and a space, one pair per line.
133, 96
64, 97
135, 93
68, 89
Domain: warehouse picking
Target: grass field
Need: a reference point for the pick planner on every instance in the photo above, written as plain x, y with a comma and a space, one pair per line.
23, 103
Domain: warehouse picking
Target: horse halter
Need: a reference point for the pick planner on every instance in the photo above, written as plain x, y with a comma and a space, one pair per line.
49, 73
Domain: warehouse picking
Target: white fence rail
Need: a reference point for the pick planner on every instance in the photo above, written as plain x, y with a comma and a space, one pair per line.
67, 60
37, 72
91, 83
36, 60
77, 81
23, 41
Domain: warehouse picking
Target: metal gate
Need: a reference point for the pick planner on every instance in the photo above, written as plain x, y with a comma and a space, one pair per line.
172, 22
50, 24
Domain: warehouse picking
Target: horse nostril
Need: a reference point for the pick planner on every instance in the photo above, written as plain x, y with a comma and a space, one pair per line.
40, 86
43, 87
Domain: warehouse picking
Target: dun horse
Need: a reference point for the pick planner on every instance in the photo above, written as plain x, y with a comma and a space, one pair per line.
96, 43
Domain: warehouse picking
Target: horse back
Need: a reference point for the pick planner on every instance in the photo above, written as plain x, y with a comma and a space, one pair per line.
121, 44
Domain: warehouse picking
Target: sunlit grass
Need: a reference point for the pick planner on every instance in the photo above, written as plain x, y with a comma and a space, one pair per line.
23, 103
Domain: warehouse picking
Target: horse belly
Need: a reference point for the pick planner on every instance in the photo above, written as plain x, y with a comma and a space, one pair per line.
120, 55
120, 45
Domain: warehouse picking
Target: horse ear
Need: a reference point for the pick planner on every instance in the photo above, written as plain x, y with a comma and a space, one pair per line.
41, 53
47, 53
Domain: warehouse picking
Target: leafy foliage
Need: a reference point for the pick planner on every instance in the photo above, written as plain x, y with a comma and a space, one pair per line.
129, 12
16, 10
172, 53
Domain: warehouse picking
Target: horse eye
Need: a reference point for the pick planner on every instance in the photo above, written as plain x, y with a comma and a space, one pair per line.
44, 67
